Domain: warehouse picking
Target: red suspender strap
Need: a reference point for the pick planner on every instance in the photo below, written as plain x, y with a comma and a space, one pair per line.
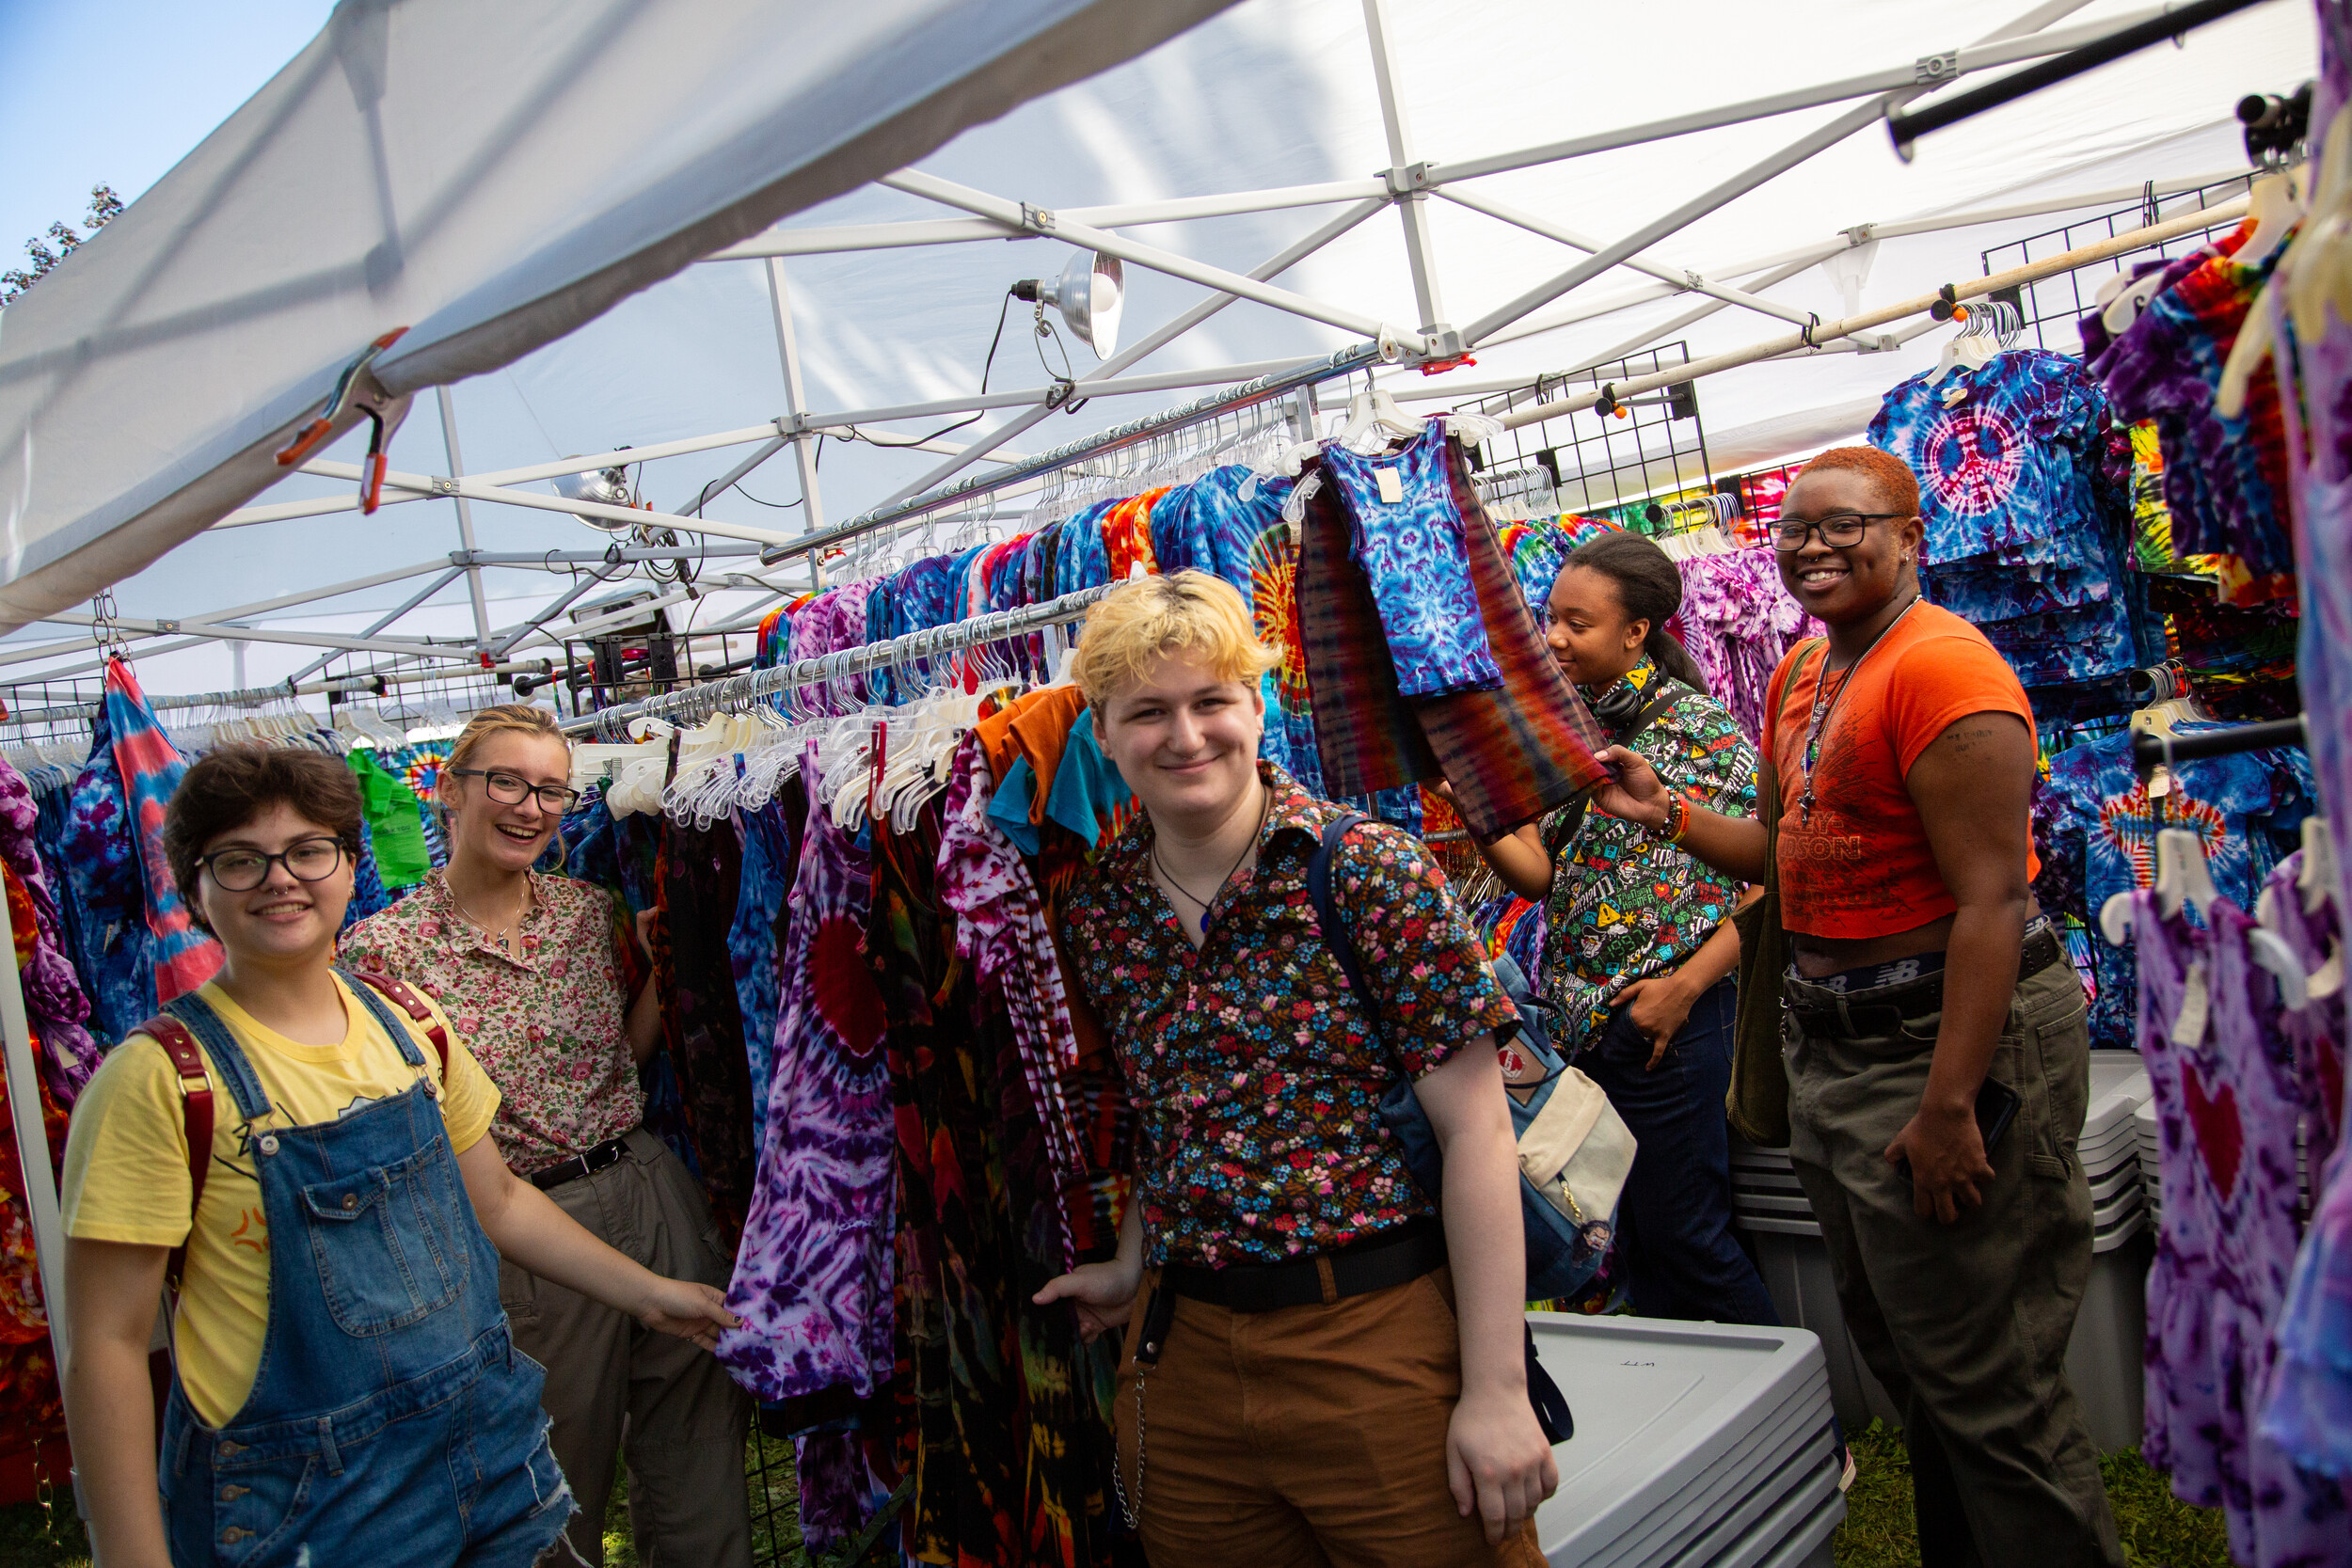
399, 994
196, 1118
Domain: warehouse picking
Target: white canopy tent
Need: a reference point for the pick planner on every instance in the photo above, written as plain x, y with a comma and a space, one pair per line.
1243, 170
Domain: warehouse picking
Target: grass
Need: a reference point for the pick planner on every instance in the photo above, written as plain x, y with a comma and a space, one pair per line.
2157, 1528
775, 1499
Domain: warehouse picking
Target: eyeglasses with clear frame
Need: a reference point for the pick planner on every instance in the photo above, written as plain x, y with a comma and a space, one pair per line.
306, 860
508, 789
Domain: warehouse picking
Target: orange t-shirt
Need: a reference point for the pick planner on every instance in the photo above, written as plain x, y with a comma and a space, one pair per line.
1863, 866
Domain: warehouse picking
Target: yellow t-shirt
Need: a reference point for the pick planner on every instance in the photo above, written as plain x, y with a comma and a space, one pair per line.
126, 1168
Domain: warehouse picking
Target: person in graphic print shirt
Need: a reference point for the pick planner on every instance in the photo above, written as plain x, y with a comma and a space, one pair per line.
337, 1340
1928, 991
1278, 1264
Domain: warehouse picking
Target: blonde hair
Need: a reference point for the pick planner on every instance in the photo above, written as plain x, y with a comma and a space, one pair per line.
1137, 622
503, 718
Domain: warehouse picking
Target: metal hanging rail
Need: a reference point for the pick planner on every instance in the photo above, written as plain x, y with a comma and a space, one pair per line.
697, 703
1264, 388
1939, 305
256, 696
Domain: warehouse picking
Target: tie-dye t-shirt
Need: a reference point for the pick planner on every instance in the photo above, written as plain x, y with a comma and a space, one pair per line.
2095, 825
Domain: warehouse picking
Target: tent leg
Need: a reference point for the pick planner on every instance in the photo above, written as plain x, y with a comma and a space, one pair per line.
465, 522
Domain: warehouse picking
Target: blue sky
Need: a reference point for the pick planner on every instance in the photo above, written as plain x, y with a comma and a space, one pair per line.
114, 91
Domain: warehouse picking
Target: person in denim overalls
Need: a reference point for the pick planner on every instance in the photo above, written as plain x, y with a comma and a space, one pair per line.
388, 1418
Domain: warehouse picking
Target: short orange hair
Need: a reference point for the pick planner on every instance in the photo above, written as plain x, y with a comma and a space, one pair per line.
1898, 485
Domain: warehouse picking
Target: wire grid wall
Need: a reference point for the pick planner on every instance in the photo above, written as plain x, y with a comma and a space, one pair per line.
2052, 306
1607, 465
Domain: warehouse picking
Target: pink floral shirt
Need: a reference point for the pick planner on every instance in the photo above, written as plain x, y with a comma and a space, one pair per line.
548, 1025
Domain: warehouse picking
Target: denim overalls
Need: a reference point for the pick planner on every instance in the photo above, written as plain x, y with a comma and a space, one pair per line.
391, 1418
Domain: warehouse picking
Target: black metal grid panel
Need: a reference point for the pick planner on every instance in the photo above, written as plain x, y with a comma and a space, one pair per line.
1605, 464
2053, 306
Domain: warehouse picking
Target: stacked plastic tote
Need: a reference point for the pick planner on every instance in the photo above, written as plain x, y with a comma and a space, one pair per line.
1696, 1444
2103, 1361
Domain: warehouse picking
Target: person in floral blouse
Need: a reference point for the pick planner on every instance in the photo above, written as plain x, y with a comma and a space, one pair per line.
1640, 947
1333, 1370
544, 977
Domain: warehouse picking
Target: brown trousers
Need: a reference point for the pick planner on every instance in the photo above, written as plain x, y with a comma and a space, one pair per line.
685, 1418
1305, 1437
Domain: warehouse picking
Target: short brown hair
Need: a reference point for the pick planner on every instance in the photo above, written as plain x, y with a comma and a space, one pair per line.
1897, 484
231, 787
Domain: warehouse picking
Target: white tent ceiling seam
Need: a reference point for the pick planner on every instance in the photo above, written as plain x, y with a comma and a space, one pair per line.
493, 177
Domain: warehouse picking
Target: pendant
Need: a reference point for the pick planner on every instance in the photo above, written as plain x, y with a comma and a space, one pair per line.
1805, 808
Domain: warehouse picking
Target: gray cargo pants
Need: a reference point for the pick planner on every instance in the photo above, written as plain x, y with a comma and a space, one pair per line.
686, 1418
1967, 1324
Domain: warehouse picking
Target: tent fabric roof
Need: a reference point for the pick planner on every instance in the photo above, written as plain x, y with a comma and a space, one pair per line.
488, 177
1269, 93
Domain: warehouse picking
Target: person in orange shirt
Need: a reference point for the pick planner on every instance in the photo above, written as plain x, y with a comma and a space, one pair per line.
1937, 1039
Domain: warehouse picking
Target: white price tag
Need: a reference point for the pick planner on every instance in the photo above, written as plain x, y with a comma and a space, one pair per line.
1391, 485
2196, 1004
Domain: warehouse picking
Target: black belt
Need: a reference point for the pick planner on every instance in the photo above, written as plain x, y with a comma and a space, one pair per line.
579, 1166
1417, 1249
1884, 1010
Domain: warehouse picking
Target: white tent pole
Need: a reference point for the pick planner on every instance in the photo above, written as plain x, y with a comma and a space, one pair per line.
1683, 278
465, 530
1738, 186
819, 241
481, 617
32, 1142
795, 401
1928, 71
638, 516
1412, 204
2082, 256
219, 630
1151, 343
1052, 225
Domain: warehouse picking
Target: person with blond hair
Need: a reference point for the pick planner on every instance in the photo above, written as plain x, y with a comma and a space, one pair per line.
1321, 1364
1937, 1042
297, 1149
544, 975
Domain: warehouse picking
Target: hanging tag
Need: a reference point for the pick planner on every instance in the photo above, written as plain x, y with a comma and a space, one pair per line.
2160, 782
2196, 1004
1391, 485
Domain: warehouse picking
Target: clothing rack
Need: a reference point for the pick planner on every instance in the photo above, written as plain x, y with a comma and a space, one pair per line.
697, 703
258, 696
1264, 388
2150, 752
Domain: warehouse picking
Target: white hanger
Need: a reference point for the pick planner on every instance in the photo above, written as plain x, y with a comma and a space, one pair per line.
2275, 203
1377, 410
2317, 880
2183, 876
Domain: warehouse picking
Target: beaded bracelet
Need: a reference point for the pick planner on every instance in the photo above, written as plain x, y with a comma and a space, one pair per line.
1677, 820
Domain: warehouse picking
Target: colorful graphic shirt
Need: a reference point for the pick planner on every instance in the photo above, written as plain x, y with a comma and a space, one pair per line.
1625, 906
1255, 1076
1995, 450
2095, 830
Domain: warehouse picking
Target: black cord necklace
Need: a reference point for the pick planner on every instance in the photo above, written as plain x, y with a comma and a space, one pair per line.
1251, 844
1810, 757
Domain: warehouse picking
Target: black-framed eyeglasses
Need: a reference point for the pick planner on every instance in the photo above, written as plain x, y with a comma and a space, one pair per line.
306, 859
508, 789
1838, 530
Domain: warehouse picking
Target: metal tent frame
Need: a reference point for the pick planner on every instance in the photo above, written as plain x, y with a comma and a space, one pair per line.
1408, 185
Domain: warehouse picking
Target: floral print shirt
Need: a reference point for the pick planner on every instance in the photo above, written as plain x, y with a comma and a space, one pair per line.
1625, 906
549, 1026
1255, 1075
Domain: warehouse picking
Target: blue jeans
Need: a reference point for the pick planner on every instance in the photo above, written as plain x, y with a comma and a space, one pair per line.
1673, 1221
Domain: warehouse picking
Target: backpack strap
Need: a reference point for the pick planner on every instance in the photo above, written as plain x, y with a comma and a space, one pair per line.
196, 1120
402, 995
1335, 933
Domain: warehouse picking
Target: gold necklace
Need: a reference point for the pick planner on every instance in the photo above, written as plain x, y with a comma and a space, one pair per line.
495, 933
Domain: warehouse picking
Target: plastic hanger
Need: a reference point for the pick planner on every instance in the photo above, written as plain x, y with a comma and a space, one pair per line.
2317, 880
